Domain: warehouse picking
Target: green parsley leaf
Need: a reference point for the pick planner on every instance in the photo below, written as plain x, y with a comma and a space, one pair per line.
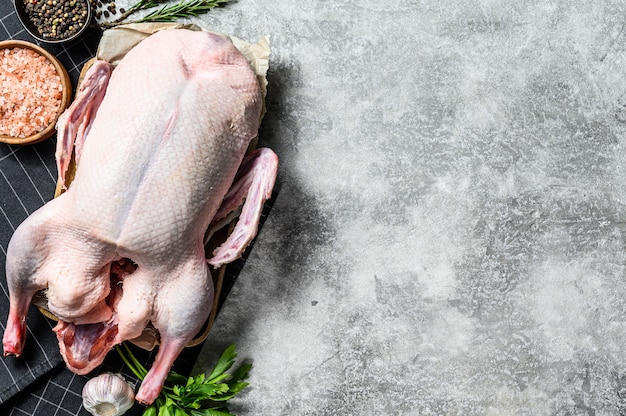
175, 378
150, 411
211, 412
195, 395
224, 363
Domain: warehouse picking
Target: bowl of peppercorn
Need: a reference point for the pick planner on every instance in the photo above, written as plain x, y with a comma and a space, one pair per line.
54, 21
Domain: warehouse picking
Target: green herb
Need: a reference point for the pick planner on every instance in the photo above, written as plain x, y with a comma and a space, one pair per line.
167, 13
199, 395
181, 10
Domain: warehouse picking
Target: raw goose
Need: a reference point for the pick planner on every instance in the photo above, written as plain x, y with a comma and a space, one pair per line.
160, 142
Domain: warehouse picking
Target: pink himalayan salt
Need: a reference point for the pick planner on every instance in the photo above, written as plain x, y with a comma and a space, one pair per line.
30, 92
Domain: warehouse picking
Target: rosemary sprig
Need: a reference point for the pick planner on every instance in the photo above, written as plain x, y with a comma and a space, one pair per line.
167, 13
181, 10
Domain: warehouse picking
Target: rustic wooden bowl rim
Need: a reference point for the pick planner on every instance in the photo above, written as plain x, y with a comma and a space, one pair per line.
65, 99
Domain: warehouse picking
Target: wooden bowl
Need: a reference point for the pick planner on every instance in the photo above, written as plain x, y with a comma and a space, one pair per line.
65, 98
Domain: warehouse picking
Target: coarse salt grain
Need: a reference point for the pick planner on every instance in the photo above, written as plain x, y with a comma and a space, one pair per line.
28, 81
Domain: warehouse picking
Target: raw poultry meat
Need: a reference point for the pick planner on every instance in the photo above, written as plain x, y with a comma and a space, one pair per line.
161, 146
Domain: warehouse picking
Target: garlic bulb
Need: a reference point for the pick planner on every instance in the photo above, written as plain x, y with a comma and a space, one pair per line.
108, 395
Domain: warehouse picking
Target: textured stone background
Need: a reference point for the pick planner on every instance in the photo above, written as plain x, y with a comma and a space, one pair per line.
448, 232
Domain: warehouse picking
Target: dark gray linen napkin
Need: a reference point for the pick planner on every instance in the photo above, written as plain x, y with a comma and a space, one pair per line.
26, 183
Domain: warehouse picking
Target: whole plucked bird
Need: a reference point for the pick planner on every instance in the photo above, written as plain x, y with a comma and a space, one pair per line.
161, 145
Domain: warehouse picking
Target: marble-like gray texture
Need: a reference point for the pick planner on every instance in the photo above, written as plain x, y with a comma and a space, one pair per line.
447, 237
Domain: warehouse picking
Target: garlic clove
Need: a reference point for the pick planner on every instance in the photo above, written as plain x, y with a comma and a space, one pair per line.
108, 395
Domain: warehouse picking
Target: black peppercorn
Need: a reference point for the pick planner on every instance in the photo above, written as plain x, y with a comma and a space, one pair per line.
57, 19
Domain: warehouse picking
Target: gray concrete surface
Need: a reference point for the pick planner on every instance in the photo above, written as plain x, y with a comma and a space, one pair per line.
448, 233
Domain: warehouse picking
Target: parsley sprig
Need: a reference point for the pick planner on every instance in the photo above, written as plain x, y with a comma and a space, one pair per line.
199, 395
